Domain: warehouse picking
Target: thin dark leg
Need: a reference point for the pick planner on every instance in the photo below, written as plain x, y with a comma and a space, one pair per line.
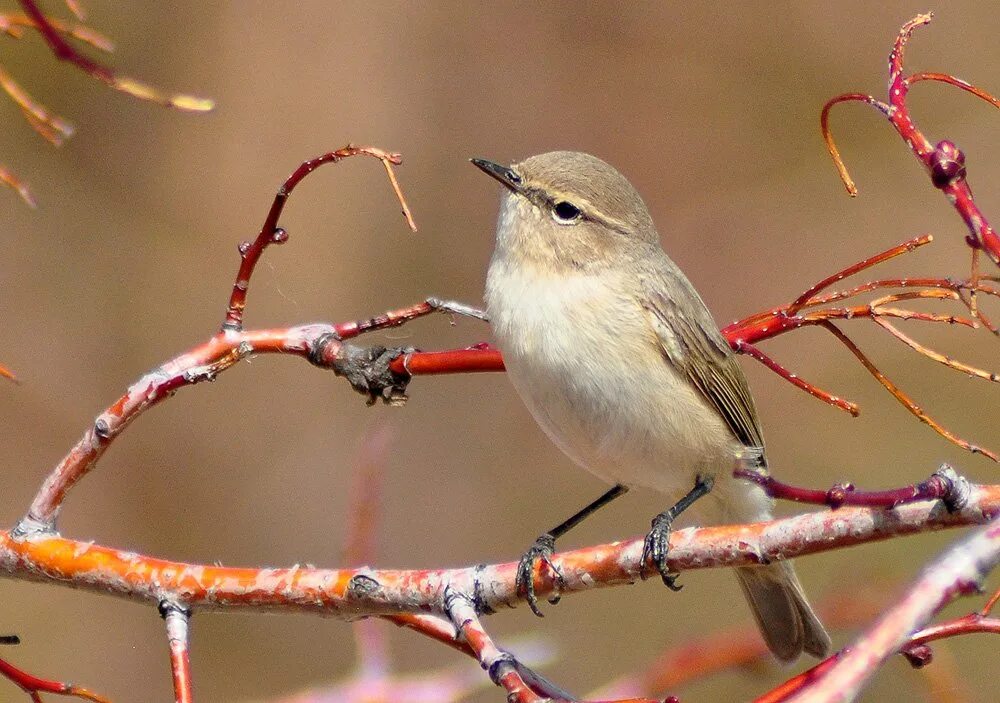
545, 545
658, 540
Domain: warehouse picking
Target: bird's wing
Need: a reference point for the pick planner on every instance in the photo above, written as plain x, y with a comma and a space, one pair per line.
692, 343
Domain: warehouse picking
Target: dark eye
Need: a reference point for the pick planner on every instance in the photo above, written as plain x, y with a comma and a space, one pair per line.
513, 177
565, 213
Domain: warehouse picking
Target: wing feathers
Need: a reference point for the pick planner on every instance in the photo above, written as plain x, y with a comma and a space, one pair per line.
694, 346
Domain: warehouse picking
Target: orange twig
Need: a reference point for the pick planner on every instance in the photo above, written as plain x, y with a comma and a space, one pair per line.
831, 146
902, 397
138, 89
35, 686
52, 128
936, 356
8, 178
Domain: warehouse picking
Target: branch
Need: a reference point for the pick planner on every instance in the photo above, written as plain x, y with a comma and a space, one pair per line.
35, 686
177, 620
130, 86
320, 344
959, 571
349, 593
270, 233
945, 162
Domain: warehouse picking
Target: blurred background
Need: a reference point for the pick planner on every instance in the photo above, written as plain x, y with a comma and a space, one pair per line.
711, 110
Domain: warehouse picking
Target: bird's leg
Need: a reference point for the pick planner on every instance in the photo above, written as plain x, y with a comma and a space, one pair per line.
658, 540
545, 545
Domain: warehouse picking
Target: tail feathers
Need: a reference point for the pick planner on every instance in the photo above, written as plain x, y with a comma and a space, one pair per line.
783, 614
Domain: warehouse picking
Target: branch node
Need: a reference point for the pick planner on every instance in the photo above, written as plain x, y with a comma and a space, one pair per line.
102, 428
456, 308
166, 607
957, 488
504, 663
28, 527
324, 350
479, 600
362, 586
837, 495
451, 596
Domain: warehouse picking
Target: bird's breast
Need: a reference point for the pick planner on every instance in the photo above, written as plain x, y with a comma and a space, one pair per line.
581, 354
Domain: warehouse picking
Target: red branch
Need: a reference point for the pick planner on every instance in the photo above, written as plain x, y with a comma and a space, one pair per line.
35, 686
176, 618
943, 485
270, 233
318, 343
945, 162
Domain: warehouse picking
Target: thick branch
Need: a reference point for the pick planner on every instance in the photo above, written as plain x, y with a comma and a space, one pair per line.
364, 591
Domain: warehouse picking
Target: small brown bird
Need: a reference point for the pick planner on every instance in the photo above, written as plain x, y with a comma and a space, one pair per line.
618, 359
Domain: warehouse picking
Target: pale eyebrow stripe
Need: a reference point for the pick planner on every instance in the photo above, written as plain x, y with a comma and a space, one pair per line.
586, 207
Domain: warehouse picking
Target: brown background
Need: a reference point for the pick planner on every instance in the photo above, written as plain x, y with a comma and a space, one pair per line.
711, 110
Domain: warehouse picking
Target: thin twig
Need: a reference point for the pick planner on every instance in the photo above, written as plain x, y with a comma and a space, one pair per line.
755, 353
831, 146
35, 686
270, 233
951, 363
177, 619
52, 128
903, 398
8, 178
65, 52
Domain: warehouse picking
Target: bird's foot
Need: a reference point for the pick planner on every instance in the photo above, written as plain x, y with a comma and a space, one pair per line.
541, 550
657, 546
657, 543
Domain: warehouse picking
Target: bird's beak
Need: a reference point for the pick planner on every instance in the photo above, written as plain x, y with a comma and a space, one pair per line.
503, 174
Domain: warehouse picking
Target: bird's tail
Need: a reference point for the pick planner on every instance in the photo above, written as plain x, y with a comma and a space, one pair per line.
783, 614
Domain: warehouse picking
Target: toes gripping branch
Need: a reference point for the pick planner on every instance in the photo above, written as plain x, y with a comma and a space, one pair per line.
656, 546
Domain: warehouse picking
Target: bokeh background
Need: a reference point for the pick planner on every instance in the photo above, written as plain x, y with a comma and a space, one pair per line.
710, 109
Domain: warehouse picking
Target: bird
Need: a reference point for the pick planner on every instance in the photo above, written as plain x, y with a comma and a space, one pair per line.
620, 362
